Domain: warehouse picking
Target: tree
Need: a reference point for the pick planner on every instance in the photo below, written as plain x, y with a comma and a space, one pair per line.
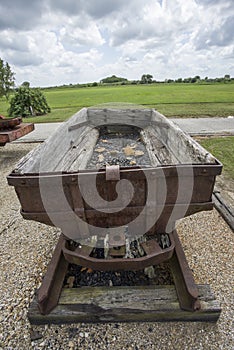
26, 84
227, 77
146, 79
7, 79
27, 102
113, 79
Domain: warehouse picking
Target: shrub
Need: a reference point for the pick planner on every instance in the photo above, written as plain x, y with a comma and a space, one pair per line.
27, 102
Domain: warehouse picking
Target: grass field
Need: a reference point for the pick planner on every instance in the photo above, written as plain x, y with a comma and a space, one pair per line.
173, 100
223, 149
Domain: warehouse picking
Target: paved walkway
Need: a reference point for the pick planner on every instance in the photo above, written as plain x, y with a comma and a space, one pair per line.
204, 126
193, 126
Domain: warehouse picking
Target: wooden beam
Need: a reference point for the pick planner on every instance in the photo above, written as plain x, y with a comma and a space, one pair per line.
224, 209
14, 134
126, 304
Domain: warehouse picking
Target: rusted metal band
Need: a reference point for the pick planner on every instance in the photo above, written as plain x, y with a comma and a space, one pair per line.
154, 255
112, 173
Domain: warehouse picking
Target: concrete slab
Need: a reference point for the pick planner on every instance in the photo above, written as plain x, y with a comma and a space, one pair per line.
206, 126
41, 132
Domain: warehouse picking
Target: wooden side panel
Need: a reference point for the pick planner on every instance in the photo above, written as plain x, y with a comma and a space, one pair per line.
179, 144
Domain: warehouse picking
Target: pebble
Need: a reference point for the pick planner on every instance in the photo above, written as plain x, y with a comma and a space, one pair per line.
115, 154
26, 248
101, 158
100, 150
139, 153
129, 151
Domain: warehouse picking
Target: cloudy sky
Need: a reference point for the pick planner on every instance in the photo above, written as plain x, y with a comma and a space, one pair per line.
54, 42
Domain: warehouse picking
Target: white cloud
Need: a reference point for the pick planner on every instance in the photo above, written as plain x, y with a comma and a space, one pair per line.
75, 36
20, 14
8, 41
57, 42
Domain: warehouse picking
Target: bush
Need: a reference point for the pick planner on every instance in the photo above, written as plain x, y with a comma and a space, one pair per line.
27, 102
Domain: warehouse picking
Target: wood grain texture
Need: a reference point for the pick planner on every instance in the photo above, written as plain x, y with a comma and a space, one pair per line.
70, 147
125, 304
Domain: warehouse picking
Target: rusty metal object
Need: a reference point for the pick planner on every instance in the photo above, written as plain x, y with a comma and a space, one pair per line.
187, 292
28, 190
154, 255
49, 292
117, 252
117, 239
9, 135
10, 123
112, 173
183, 278
158, 191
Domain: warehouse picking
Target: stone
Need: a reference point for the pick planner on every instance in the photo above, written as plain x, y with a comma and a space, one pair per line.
129, 151
100, 149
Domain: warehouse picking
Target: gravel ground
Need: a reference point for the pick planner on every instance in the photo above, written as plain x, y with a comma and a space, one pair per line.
26, 248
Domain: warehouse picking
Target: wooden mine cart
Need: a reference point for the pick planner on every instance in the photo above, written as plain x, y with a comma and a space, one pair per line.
57, 185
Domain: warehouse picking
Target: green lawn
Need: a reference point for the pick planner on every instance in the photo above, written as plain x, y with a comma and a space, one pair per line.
223, 149
173, 100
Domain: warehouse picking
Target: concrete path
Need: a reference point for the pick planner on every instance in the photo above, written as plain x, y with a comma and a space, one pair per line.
206, 126
41, 132
193, 126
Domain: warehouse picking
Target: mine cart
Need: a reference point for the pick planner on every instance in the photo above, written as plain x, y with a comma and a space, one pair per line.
115, 181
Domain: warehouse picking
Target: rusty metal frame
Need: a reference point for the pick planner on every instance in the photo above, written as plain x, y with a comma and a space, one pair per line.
49, 292
9, 123
27, 187
186, 288
9, 135
154, 255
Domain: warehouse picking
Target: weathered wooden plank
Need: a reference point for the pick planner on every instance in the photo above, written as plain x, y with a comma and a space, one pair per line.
225, 210
126, 304
49, 154
78, 155
150, 149
104, 116
186, 149
170, 144
158, 147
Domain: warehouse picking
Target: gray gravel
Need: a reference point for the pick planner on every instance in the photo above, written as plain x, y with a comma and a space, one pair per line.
26, 248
